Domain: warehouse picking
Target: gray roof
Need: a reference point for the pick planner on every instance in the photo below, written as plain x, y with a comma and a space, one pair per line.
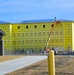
45, 20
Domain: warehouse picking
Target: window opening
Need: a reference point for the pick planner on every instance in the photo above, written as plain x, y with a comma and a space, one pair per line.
18, 27
35, 26
43, 26
27, 27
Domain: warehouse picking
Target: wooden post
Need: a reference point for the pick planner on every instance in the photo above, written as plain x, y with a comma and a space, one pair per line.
51, 63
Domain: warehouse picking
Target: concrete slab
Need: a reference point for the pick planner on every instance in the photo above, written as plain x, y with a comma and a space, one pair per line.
12, 65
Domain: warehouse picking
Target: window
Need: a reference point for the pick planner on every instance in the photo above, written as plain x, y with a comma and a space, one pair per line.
39, 33
23, 42
26, 27
56, 33
43, 26
35, 41
57, 40
18, 27
39, 41
44, 33
22, 34
18, 34
14, 34
35, 34
31, 34
52, 33
19, 42
52, 40
61, 32
27, 34
14, 42
44, 41
48, 33
31, 41
61, 40
27, 41
35, 26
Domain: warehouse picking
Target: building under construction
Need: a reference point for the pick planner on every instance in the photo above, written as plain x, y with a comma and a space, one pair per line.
33, 35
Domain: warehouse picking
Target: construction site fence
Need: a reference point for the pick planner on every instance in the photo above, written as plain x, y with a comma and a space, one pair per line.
22, 52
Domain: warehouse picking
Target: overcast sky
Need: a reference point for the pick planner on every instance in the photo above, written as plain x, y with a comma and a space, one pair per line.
19, 10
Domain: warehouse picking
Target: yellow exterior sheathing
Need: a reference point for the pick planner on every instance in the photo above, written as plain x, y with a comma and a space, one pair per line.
72, 36
34, 36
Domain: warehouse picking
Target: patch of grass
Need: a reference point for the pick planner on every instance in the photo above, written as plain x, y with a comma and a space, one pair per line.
10, 57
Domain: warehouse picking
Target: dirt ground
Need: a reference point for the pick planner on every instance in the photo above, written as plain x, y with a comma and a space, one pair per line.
6, 58
64, 65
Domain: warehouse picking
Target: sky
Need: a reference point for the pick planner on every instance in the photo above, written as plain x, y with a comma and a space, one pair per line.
16, 11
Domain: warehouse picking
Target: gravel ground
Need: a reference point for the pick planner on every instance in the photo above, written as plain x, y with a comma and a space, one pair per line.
64, 66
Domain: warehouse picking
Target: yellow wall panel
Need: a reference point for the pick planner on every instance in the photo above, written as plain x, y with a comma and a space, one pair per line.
35, 35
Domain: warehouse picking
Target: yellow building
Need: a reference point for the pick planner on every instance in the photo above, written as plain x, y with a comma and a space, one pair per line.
33, 35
